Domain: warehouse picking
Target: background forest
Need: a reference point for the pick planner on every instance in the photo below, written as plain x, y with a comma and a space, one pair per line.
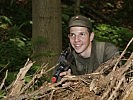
112, 21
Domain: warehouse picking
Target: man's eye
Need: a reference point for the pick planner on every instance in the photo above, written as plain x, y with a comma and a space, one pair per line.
71, 35
82, 34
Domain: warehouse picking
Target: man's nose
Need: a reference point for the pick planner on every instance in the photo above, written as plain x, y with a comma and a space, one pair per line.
77, 38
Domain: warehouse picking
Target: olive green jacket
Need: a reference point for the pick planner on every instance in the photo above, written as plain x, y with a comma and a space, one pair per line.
100, 53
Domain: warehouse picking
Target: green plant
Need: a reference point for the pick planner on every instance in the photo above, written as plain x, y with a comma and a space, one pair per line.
15, 48
117, 35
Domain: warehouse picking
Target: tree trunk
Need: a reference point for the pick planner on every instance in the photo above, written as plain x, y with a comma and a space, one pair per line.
46, 31
77, 7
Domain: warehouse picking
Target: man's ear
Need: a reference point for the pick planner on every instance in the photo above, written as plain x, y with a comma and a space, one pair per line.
91, 36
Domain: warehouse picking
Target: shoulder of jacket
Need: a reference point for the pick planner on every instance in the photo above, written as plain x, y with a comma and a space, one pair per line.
105, 44
97, 42
100, 47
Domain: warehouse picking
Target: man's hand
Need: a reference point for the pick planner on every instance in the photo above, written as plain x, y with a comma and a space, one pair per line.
65, 73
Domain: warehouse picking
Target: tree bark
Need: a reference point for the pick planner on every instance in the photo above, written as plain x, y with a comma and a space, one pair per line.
46, 31
77, 7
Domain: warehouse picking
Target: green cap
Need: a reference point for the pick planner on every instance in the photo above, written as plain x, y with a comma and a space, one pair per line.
80, 20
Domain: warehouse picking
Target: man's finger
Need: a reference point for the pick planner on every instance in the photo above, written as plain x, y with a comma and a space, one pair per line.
63, 73
66, 73
69, 72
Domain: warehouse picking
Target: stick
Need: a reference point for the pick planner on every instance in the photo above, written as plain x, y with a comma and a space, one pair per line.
3, 81
118, 60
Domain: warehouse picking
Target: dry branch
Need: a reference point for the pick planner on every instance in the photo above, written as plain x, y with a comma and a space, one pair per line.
19, 82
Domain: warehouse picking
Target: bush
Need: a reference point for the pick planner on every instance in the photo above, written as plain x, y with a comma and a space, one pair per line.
117, 35
15, 48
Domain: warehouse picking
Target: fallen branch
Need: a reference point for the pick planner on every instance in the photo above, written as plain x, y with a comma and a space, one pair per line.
19, 82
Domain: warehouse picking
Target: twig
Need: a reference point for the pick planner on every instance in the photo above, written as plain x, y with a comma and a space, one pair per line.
124, 68
105, 94
35, 77
51, 95
118, 60
3, 81
4, 67
112, 96
128, 91
19, 82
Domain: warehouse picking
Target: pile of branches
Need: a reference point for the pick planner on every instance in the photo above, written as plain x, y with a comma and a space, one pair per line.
111, 81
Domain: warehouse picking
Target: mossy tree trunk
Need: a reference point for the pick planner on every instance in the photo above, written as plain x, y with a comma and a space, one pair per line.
46, 31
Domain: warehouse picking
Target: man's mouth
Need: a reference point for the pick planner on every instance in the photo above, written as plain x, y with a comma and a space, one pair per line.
77, 46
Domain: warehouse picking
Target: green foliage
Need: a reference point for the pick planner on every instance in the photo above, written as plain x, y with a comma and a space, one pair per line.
4, 20
2, 94
11, 76
117, 35
15, 48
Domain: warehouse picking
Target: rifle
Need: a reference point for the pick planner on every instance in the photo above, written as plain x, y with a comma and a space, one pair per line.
64, 64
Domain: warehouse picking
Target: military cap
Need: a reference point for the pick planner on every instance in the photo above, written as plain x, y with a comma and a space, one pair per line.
80, 20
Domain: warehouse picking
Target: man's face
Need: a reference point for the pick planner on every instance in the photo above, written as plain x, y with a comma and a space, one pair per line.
79, 39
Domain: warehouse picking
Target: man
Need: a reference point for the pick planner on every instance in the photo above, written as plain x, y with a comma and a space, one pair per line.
87, 53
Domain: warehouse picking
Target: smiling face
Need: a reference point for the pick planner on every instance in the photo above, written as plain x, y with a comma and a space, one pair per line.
80, 40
